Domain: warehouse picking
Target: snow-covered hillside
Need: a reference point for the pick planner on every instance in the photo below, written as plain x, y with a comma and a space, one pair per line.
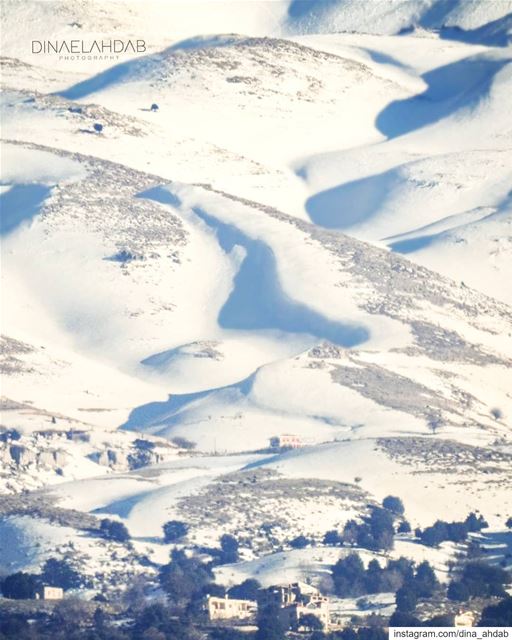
281, 218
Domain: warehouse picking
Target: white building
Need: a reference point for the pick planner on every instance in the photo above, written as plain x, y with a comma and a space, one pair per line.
286, 441
49, 593
226, 608
464, 619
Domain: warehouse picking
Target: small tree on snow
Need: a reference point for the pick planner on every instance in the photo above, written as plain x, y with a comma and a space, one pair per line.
393, 504
300, 542
174, 530
114, 530
406, 599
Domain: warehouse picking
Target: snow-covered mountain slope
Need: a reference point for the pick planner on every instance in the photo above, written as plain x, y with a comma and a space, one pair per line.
467, 20
309, 235
388, 304
256, 92
445, 158
445, 165
164, 23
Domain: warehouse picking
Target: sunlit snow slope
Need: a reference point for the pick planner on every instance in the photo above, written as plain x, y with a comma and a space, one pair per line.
310, 234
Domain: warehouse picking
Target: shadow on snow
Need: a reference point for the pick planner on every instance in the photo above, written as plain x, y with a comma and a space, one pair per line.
20, 204
463, 84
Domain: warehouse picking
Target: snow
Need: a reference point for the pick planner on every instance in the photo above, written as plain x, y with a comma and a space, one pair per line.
423, 491
310, 236
315, 564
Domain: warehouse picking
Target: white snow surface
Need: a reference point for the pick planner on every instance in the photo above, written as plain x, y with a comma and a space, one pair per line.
311, 235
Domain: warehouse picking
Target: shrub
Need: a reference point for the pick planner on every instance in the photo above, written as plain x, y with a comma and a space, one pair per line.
184, 577
310, 622
228, 543
498, 615
375, 533
114, 530
348, 576
403, 619
19, 586
270, 624
425, 581
404, 527
441, 620
351, 579
458, 591
484, 580
58, 573
406, 599
332, 538
475, 523
212, 589
372, 633
174, 530
393, 504
374, 577
496, 413
300, 542
455, 531
155, 621
14, 626
183, 443
248, 590
382, 529
229, 549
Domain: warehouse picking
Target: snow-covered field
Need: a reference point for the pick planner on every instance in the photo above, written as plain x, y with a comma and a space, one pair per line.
310, 235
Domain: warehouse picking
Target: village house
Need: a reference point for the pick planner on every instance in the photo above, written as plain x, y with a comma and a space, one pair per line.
295, 600
464, 619
49, 593
286, 441
226, 608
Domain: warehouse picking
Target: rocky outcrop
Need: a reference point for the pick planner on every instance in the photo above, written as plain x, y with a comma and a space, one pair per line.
22, 455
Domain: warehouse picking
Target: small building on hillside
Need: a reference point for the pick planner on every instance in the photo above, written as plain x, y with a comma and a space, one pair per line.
228, 608
464, 618
49, 593
295, 600
286, 441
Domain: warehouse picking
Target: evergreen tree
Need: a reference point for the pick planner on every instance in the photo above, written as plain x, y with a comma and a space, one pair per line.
425, 580
270, 624
229, 549
184, 577
374, 577
300, 542
348, 576
404, 527
19, 586
114, 530
498, 615
403, 619
332, 538
393, 504
174, 530
58, 573
458, 591
406, 599
247, 590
